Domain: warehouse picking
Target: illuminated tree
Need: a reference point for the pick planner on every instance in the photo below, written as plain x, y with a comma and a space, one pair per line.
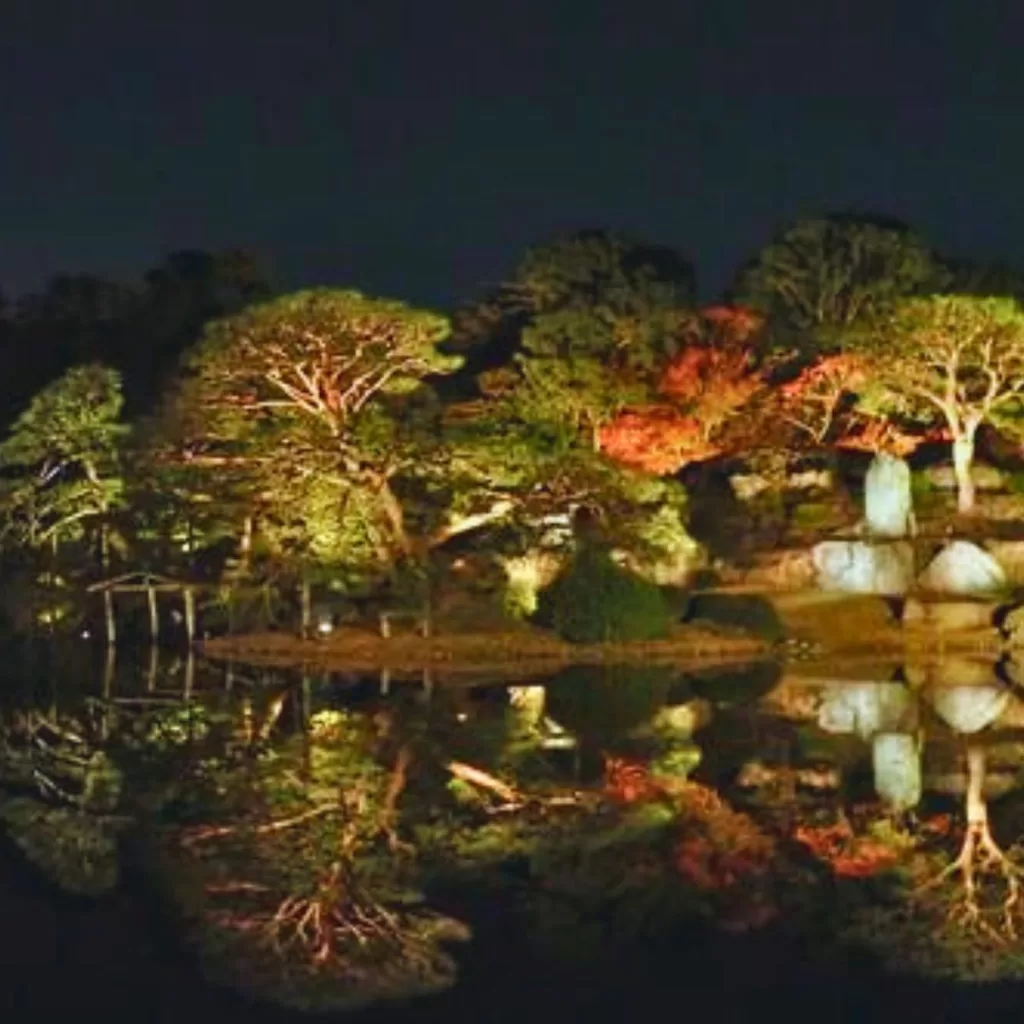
699, 390
312, 382
955, 359
61, 459
823, 273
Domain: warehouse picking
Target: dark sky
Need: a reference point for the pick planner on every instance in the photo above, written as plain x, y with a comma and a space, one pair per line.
414, 148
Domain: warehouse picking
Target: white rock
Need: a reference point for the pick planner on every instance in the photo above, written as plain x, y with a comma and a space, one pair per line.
888, 506
867, 708
896, 759
968, 709
859, 567
963, 568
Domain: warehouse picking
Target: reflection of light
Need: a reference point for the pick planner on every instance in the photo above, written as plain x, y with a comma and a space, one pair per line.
462, 716
85, 634
324, 626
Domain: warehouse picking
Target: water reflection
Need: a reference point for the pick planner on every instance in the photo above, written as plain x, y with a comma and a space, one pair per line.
307, 814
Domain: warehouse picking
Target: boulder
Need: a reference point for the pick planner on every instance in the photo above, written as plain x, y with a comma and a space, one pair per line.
888, 506
896, 762
860, 567
969, 709
811, 480
963, 568
865, 709
747, 486
986, 478
948, 616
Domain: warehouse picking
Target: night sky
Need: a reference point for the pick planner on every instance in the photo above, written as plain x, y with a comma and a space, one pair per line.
415, 148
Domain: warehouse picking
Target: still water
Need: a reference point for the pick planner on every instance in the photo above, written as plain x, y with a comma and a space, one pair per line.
183, 837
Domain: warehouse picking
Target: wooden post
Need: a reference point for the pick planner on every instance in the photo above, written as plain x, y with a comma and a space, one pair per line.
428, 683
307, 608
151, 674
229, 676
108, 689
385, 625
154, 618
190, 673
385, 681
108, 611
190, 616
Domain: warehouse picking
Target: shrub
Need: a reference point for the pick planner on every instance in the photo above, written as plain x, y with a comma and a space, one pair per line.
595, 600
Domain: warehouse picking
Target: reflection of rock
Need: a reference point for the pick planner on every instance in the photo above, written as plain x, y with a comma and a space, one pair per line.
867, 708
996, 784
951, 671
948, 616
963, 568
528, 704
888, 506
75, 851
783, 570
968, 709
896, 759
857, 567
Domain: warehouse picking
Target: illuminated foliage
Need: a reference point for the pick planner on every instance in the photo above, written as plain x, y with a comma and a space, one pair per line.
61, 459
955, 359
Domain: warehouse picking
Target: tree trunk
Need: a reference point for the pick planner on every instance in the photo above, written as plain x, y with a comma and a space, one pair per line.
977, 809
395, 516
963, 459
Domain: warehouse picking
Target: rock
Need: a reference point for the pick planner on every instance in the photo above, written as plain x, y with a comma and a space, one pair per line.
986, 478
747, 486
783, 570
860, 567
968, 709
896, 760
1010, 556
949, 616
867, 708
811, 480
888, 506
963, 568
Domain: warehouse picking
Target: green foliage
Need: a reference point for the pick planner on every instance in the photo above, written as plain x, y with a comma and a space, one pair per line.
61, 459
596, 601
604, 704
824, 273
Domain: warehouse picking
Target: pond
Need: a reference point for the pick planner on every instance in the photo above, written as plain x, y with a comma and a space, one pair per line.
182, 836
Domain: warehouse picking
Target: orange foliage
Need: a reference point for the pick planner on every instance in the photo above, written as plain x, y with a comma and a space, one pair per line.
849, 856
658, 439
877, 435
812, 400
712, 381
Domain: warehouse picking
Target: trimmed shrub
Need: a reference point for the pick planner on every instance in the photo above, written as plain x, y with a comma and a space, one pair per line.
595, 601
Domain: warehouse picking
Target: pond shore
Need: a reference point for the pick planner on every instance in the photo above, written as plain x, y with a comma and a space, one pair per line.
533, 652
